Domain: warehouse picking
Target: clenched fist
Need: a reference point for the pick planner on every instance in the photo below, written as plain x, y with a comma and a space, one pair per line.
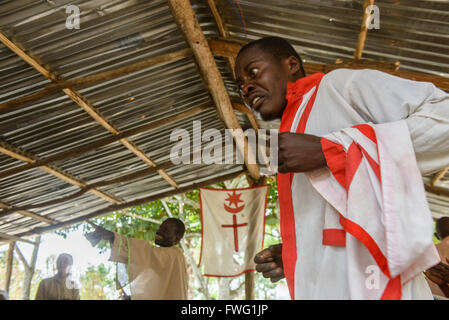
299, 152
269, 262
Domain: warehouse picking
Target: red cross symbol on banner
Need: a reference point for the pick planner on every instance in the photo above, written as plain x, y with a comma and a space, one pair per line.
235, 226
234, 199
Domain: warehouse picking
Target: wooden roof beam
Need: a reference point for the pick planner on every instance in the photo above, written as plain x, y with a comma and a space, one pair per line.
76, 97
133, 203
7, 149
13, 238
438, 176
28, 214
185, 18
13, 152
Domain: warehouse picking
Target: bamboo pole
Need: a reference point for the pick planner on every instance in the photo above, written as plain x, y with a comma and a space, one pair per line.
185, 18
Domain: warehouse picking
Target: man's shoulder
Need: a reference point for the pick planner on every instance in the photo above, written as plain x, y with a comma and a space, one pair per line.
342, 74
46, 281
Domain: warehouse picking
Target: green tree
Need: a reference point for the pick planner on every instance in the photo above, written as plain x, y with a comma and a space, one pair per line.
98, 283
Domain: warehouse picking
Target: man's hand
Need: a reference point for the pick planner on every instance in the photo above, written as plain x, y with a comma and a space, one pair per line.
269, 262
299, 152
439, 274
99, 234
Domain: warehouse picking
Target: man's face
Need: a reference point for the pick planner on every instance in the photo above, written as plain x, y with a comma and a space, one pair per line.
63, 263
262, 81
166, 234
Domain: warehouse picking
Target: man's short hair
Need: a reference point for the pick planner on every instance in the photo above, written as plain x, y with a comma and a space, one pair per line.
278, 47
63, 256
180, 228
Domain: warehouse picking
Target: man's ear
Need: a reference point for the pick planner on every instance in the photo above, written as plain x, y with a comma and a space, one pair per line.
293, 66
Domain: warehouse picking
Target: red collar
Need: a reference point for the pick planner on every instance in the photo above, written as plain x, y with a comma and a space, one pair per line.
295, 92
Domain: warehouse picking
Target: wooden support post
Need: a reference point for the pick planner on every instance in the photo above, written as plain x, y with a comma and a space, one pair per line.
185, 18
249, 276
9, 265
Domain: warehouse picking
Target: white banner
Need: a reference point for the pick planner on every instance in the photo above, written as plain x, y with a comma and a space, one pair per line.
233, 222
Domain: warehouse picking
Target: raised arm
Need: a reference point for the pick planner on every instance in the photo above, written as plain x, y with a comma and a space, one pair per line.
99, 234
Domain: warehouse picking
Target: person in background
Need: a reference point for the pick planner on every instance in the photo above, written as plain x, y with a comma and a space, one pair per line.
61, 286
153, 272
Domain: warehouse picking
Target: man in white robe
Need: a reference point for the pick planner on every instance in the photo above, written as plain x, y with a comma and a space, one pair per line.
355, 223
154, 272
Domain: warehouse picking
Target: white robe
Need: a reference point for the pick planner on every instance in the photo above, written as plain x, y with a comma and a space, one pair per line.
323, 264
154, 273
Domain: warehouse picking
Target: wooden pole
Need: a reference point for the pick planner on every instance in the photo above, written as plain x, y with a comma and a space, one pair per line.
249, 276
363, 30
9, 266
185, 18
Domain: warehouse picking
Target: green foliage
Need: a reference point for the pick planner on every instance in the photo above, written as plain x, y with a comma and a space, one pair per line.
17, 278
97, 283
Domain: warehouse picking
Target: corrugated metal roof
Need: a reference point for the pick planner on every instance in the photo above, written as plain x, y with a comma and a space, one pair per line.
117, 33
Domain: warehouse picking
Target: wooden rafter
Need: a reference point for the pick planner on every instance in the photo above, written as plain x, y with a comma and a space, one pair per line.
76, 97
185, 18
28, 214
10, 237
13, 152
95, 145
438, 176
133, 203
121, 179
222, 32
437, 190
94, 78
231, 48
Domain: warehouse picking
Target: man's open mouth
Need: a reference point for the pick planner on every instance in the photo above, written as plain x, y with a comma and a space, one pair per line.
256, 102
